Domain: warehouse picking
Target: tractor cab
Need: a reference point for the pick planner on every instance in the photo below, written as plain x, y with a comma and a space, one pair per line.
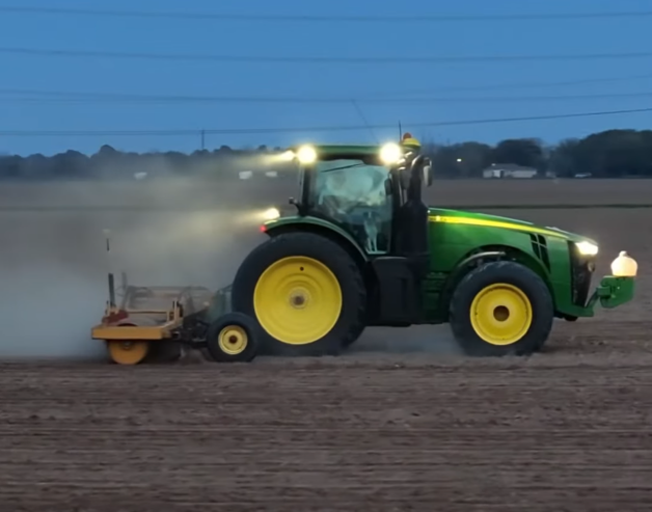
371, 192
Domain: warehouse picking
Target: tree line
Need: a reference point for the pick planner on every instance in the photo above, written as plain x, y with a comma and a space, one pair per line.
607, 154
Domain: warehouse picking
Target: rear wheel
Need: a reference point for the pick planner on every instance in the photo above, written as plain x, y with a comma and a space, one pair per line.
501, 308
355, 335
305, 291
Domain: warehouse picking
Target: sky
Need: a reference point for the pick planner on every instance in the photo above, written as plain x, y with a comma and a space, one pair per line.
456, 91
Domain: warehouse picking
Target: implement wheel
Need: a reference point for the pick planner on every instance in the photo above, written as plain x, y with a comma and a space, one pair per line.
305, 291
128, 352
501, 308
232, 338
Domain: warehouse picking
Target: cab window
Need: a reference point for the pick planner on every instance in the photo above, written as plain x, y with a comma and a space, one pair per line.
353, 194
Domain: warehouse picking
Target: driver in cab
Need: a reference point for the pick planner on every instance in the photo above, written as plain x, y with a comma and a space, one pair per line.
357, 185
355, 195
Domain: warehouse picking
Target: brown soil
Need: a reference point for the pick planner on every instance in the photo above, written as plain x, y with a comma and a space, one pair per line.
182, 194
357, 438
566, 430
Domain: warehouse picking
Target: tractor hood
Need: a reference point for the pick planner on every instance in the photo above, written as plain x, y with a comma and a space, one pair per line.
496, 221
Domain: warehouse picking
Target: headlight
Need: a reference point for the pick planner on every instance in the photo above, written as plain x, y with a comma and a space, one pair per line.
587, 248
307, 155
391, 153
271, 214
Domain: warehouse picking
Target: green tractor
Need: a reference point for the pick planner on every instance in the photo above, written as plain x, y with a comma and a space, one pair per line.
364, 250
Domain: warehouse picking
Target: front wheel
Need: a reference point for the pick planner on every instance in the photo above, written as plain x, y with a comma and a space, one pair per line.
501, 308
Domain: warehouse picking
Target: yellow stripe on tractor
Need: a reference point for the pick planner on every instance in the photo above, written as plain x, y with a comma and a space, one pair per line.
470, 221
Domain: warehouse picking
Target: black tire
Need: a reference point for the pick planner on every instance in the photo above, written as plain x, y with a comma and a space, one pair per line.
355, 335
513, 274
351, 321
247, 324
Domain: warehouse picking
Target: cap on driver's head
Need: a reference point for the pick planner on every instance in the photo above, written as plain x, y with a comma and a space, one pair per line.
408, 140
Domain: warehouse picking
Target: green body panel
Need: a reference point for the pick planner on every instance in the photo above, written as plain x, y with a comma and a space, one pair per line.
313, 222
454, 235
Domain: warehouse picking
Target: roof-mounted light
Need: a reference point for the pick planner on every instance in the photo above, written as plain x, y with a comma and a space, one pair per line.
306, 155
391, 153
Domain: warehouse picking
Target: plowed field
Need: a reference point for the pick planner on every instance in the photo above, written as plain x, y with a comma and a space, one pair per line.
398, 424
559, 432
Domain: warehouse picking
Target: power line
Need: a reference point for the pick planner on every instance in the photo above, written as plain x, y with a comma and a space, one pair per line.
371, 95
526, 85
196, 57
143, 99
304, 18
342, 128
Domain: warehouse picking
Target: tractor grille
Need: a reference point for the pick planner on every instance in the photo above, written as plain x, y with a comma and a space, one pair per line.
540, 248
582, 268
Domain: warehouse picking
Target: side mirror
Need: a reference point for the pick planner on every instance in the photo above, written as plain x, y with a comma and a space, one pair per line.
296, 204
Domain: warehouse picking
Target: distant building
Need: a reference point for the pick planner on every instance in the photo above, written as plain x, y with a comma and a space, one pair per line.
508, 171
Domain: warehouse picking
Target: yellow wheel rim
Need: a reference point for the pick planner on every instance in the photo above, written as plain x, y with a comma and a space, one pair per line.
298, 300
128, 352
232, 340
501, 314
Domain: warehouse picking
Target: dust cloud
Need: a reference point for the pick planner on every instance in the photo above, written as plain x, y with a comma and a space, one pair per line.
54, 263
431, 339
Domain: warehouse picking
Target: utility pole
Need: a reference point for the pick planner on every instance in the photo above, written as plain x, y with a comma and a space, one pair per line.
203, 139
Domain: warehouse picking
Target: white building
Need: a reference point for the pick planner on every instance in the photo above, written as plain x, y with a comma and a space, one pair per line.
508, 171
